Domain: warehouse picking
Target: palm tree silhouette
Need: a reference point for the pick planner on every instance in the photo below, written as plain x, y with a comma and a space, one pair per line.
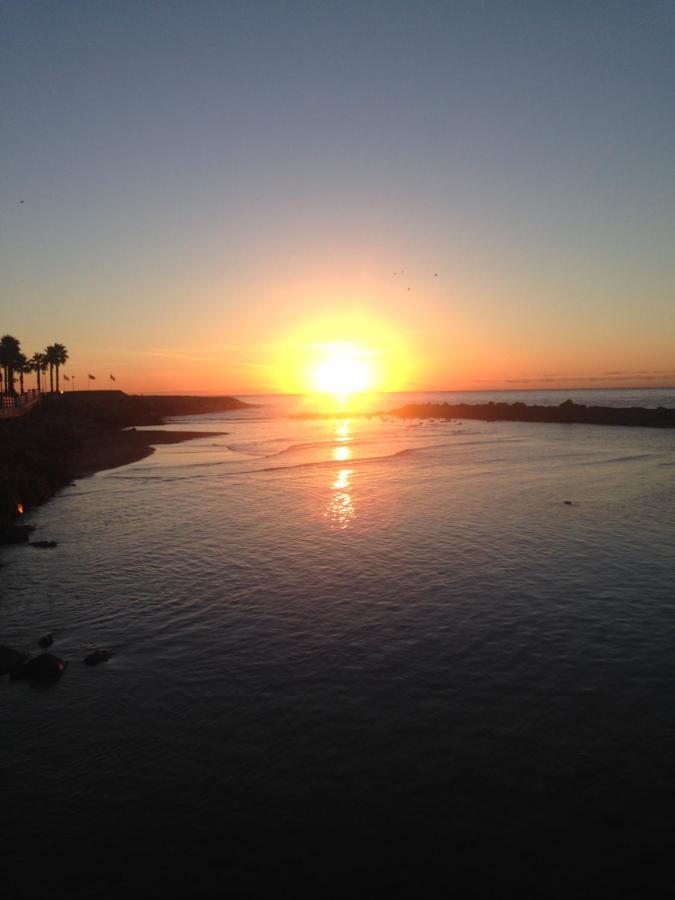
50, 353
23, 368
60, 359
39, 364
10, 359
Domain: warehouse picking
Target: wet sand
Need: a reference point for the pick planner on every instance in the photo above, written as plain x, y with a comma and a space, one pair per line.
119, 448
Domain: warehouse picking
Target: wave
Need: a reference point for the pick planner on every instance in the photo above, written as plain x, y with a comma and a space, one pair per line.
339, 464
616, 459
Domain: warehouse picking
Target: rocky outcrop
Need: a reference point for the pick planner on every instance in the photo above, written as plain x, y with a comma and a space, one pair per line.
11, 659
45, 667
97, 656
15, 534
568, 413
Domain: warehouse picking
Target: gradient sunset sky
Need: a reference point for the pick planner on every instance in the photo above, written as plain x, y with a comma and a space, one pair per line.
193, 192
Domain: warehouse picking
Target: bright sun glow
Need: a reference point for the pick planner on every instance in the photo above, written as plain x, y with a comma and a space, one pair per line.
342, 373
342, 361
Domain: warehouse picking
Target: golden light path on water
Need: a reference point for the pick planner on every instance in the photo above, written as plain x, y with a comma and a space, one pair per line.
340, 510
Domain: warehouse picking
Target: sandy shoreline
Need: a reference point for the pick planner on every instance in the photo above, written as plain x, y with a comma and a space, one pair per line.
119, 448
69, 436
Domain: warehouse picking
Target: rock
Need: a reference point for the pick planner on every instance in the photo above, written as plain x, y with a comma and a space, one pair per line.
44, 545
10, 659
15, 534
97, 656
46, 641
45, 667
568, 503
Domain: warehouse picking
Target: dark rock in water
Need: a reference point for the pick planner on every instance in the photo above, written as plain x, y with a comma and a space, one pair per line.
15, 534
568, 503
46, 641
44, 545
45, 667
97, 656
567, 413
11, 659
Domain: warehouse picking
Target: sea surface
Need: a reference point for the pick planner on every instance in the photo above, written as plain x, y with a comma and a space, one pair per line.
351, 649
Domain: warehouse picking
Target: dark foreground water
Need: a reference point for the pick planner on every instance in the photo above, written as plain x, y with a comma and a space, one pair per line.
351, 653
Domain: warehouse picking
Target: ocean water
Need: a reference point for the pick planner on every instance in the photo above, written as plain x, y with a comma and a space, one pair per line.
350, 649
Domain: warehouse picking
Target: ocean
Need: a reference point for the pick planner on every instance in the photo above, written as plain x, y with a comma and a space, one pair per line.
349, 651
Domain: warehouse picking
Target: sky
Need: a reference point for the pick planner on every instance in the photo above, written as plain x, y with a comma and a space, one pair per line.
480, 194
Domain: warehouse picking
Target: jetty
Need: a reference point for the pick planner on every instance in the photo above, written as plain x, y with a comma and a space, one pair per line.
567, 413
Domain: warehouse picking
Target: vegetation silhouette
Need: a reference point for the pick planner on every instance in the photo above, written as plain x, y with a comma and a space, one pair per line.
13, 363
10, 360
39, 363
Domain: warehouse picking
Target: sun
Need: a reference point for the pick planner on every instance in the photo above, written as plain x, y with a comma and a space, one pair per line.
342, 372
341, 359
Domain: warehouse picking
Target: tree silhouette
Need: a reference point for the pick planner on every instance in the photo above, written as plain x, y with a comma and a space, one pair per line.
50, 353
39, 364
10, 359
60, 359
23, 368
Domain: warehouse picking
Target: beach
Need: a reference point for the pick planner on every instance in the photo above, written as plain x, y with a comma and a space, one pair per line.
68, 436
108, 451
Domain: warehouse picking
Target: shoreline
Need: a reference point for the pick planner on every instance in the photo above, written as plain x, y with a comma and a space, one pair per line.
72, 436
101, 452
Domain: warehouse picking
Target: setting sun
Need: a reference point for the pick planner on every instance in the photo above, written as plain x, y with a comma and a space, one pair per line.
349, 357
342, 373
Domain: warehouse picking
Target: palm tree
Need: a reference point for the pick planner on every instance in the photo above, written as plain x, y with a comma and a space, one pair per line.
23, 369
10, 353
39, 364
50, 353
60, 359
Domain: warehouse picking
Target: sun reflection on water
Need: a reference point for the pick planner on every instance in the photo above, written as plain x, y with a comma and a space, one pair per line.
342, 431
340, 510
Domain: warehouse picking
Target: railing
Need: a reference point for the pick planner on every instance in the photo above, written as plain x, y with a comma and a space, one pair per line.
18, 404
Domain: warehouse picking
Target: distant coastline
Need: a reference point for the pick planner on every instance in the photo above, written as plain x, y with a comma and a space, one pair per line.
75, 434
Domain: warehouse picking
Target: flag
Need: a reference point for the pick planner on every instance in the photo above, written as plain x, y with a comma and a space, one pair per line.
92, 377
65, 377
112, 377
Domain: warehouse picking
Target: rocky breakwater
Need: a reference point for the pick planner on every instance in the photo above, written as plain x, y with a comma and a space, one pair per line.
567, 413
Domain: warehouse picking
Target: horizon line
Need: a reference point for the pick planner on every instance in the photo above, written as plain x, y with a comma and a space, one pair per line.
512, 390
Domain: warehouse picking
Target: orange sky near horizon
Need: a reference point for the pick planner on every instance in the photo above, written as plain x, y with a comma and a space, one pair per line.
434, 336
422, 330
425, 328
